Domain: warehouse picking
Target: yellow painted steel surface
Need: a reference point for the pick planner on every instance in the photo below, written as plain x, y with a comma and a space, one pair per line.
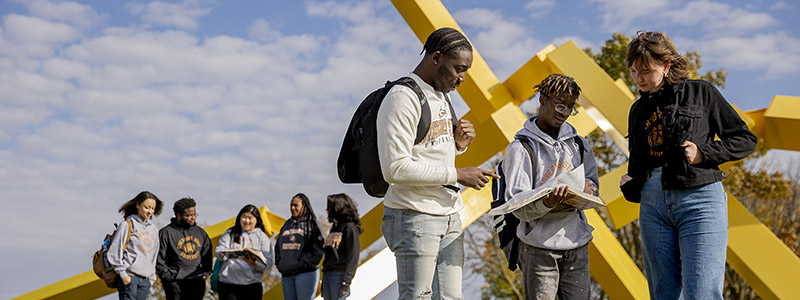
759, 257
86, 285
781, 123
611, 266
753, 251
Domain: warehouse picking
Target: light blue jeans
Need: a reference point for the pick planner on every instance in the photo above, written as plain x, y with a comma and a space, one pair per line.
302, 286
684, 239
332, 286
429, 251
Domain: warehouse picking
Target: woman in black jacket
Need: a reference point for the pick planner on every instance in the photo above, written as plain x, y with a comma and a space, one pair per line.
298, 251
342, 247
673, 170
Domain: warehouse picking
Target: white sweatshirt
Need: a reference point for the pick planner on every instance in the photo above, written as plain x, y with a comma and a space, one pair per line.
416, 173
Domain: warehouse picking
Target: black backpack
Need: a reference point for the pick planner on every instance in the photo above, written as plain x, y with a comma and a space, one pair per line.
506, 225
358, 159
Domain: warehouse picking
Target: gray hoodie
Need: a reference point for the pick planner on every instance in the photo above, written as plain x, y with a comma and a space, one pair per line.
561, 227
140, 256
238, 271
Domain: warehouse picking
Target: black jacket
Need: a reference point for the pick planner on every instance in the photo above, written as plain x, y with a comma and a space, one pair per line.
695, 111
184, 252
298, 248
342, 249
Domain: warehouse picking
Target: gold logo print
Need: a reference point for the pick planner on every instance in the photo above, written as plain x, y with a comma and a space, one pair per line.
655, 134
189, 247
333, 240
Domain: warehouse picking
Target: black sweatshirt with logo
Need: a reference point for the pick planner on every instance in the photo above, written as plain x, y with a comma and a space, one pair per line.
298, 248
185, 252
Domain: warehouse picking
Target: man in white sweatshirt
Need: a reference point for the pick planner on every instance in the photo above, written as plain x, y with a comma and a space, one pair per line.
553, 255
421, 222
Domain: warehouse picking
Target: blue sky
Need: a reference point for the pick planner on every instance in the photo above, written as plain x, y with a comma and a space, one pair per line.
236, 102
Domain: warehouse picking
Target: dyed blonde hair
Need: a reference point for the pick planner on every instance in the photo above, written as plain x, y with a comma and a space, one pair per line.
555, 84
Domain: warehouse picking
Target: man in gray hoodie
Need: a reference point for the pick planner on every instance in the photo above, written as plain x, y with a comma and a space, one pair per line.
553, 255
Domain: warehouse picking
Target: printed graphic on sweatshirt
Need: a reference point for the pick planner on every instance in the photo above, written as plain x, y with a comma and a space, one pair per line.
333, 240
189, 248
147, 242
293, 234
655, 136
554, 169
441, 129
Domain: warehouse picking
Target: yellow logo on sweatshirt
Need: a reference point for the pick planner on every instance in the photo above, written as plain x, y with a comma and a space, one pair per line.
189, 247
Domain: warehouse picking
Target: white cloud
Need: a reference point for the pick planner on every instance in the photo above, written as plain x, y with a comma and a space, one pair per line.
719, 18
504, 44
540, 7
32, 30
618, 15
59, 68
260, 30
776, 53
79, 15
183, 15
352, 12
781, 5
708, 17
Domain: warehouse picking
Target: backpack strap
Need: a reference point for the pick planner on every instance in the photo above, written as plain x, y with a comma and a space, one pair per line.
452, 112
424, 120
581, 147
528, 145
128, 239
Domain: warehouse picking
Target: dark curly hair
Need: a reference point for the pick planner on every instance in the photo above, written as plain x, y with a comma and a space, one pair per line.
129, 208
342, 209
181, 205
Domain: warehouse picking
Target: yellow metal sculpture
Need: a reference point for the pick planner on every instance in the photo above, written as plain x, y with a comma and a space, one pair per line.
754, 252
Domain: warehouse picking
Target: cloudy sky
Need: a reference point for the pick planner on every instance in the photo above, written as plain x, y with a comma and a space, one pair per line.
236, 102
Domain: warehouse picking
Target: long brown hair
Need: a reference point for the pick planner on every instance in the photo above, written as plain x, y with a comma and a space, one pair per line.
650, 46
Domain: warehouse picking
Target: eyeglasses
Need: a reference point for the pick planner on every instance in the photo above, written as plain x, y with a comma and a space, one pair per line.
563, 109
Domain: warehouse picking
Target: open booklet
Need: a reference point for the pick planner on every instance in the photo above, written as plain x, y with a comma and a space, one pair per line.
246, 252
574, 180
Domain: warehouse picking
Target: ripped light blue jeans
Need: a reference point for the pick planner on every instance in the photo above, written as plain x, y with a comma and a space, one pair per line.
684, 239
429, 251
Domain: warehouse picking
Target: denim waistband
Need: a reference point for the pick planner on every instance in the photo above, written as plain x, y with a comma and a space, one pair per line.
654, 172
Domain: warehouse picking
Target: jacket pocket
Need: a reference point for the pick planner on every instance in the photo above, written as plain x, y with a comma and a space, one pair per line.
687, 120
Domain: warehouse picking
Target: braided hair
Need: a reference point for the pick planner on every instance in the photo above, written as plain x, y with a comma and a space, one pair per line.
555, 84
444, 40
